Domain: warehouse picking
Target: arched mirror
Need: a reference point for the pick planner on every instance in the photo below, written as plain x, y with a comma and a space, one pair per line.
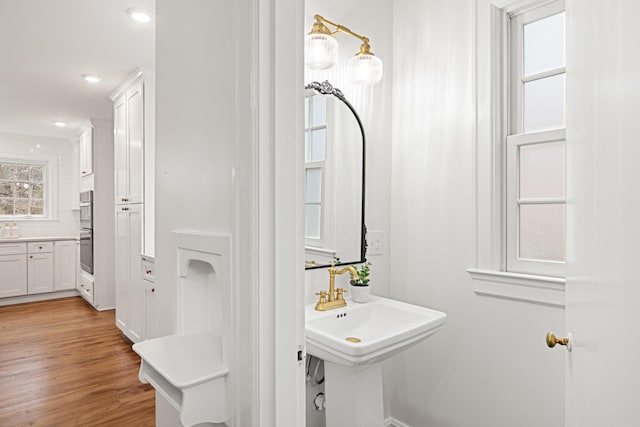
334, 140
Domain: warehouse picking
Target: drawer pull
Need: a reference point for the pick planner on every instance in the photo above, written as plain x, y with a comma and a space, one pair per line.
148, 271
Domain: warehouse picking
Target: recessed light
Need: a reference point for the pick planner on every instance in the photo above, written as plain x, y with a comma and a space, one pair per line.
140, 15
60, 124
91, 78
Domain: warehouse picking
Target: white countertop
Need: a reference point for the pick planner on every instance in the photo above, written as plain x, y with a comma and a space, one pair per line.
38, 239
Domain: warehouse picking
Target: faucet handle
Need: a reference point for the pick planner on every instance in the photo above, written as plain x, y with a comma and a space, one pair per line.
323, 296
340, 291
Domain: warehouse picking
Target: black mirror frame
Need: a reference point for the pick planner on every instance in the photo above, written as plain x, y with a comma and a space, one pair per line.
326, 88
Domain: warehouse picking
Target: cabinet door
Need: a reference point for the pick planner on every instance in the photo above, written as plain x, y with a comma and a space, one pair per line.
130, 295
86, 152
13, 271
83, 154
122, 267
64, 265
121, 149
136, 290
135, 116
40, 273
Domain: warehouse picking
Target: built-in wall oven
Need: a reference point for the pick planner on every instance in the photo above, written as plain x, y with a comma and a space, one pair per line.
86, 210
86, 231
86, 250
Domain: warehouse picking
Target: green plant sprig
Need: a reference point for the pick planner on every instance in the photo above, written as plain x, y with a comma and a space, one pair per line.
363, 275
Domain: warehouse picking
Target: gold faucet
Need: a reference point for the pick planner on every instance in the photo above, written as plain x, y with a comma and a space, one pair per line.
336, 298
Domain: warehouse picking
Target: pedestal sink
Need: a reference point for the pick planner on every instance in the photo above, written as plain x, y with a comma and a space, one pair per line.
352, 341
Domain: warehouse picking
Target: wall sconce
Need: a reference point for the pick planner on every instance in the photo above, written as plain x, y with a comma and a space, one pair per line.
321, 53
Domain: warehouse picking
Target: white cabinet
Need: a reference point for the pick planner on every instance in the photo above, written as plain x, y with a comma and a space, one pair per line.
37, 267
85, 286
129, 142
64, 265
130, 294
86, 152
13, 269
39, 271
148, 282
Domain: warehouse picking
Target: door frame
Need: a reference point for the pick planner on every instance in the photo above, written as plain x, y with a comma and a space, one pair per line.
267, 212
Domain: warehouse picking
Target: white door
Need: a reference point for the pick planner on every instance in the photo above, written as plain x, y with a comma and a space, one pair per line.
603, 152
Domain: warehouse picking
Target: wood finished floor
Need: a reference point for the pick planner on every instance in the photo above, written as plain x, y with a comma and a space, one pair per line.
64, 364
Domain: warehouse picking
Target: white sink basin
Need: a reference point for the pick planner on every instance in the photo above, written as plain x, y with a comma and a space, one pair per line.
384, 327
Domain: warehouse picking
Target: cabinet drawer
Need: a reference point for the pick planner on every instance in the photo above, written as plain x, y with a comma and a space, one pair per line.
86, 288
38, 247
13, 248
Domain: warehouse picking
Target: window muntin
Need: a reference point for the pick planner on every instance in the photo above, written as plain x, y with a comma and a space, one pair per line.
22, 189
535, 201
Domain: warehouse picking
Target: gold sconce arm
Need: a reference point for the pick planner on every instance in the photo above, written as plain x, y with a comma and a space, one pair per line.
340, 28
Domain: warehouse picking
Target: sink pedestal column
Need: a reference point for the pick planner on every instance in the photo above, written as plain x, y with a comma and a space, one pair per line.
354, 395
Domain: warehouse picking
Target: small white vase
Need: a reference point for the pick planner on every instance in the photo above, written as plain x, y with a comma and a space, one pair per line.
359, 293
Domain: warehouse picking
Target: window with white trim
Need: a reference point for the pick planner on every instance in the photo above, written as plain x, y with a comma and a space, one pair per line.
535, 226
520, 225
23, 187
315, 136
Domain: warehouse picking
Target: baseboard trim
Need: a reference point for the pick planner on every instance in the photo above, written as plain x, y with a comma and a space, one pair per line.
392, 422
39, 297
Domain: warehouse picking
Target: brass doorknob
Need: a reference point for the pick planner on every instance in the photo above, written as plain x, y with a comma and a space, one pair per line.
552, 340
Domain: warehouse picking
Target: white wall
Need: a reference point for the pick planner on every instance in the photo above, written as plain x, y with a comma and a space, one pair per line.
489, 366
65, 152
193, 132
197, 115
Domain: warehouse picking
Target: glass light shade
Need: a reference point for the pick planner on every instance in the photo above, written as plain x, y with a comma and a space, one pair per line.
365, 69
321, 51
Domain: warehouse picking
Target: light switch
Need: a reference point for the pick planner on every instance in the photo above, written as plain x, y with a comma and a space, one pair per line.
375, 239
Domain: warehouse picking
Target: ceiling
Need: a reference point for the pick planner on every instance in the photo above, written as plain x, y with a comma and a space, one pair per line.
45, 46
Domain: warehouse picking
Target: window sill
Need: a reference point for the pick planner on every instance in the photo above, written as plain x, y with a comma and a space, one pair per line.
521, 287
312, 250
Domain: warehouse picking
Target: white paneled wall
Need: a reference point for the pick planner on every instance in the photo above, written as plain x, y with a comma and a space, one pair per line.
489, 366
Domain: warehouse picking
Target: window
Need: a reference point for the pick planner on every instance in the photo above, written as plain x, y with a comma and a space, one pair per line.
535, 149
520, 224
315, 171
22, 189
